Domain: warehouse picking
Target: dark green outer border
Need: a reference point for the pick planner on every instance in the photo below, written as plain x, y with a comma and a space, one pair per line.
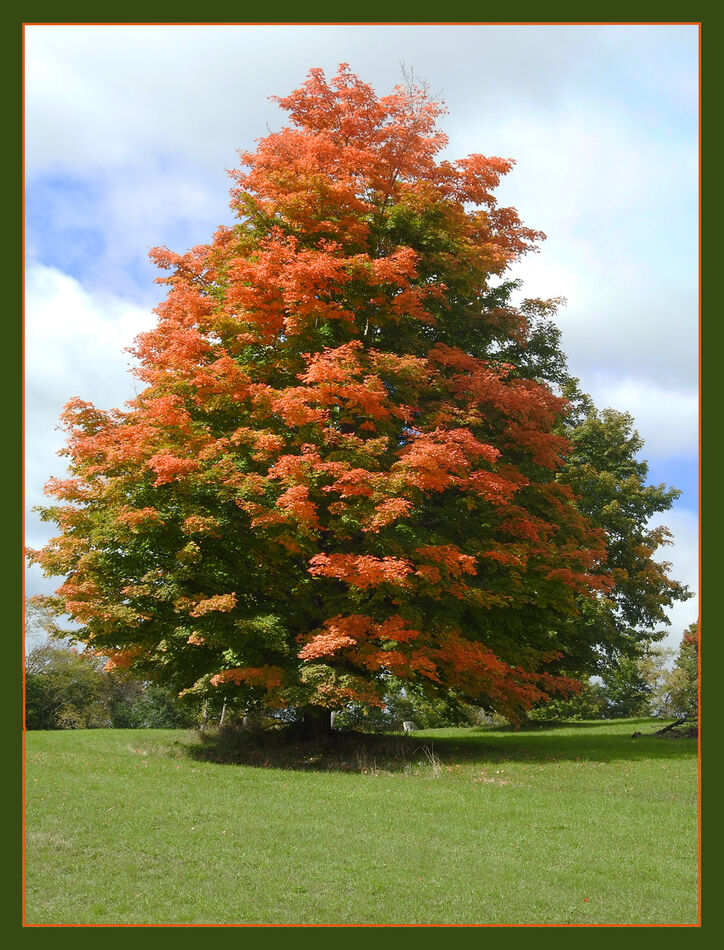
320, 11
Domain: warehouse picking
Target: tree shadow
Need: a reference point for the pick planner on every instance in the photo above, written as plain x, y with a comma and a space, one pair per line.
370, 753
569, 742
283, 748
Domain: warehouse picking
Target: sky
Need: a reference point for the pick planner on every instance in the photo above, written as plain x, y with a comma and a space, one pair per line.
129, 131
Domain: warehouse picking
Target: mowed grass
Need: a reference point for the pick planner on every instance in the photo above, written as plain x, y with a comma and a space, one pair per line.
578, 824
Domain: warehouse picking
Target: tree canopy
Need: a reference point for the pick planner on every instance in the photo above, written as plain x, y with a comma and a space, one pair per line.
348, 458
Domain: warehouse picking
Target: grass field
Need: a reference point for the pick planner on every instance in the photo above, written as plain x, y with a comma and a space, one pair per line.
578, 824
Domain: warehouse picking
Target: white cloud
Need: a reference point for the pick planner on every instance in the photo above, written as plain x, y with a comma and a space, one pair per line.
683, 554
620, 207
104, 94
74, 340
74, 346
667, 419
101, 226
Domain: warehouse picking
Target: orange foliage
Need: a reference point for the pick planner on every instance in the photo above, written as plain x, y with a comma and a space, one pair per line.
122, 659
218, 602
360, 570
267, 676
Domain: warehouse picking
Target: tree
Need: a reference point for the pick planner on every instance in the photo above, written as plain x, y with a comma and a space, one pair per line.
335, 472
626, 690
409, 702
133, 704
66, 688
630, 687
655, 668
605, 472
684, 680
40, 620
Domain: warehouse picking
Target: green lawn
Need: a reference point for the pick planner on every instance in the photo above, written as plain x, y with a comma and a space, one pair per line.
579, 824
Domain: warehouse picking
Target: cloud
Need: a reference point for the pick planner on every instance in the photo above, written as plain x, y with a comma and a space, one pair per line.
620, 207
667, 419
683, 554
74, 340
102, 95
99, 227
74, 346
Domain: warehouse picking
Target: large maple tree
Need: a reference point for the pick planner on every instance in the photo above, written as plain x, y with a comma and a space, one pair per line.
333, 472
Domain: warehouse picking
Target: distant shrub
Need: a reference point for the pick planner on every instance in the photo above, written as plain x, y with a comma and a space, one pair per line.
590, 703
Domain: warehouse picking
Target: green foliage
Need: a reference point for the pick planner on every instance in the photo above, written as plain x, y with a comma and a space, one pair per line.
362, 717
642, 686
655, 668
406, 702
148, 706
63, 689
590, 703
427, 711
627, 692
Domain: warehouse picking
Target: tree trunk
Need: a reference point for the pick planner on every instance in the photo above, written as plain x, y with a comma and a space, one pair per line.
316, 723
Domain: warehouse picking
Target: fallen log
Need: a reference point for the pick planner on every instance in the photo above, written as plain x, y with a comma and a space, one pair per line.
671, 725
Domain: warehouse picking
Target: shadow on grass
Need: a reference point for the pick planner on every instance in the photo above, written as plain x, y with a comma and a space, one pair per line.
283, 749
347, 751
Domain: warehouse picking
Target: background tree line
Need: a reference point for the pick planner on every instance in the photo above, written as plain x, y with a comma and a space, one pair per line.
70, 689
